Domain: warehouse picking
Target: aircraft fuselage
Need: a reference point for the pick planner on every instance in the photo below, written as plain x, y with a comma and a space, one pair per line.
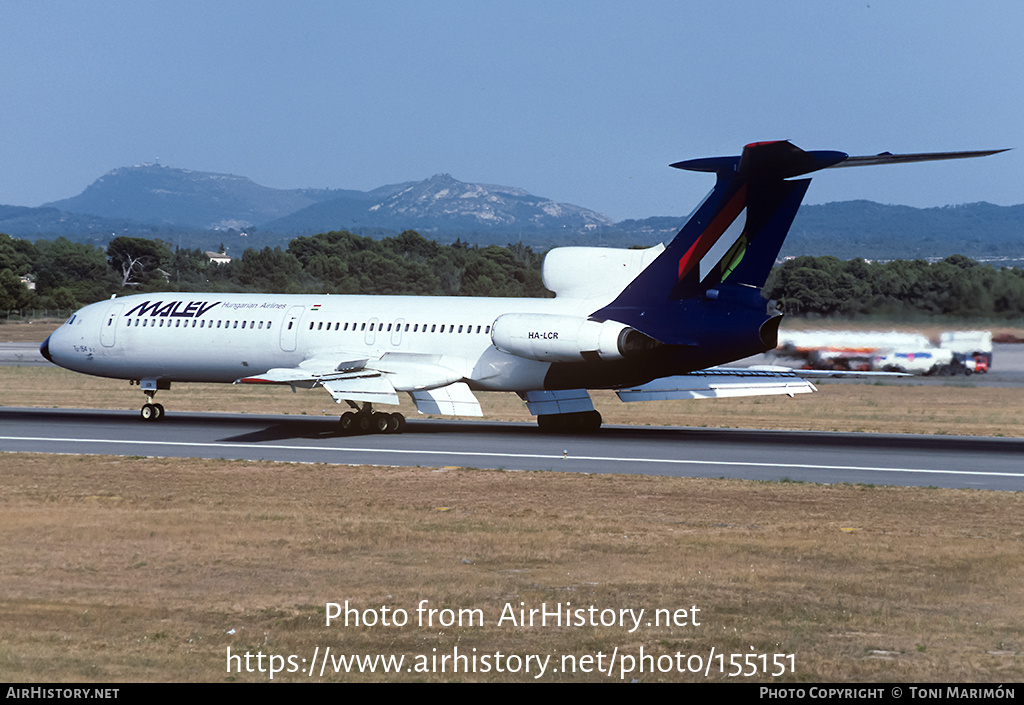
194, 337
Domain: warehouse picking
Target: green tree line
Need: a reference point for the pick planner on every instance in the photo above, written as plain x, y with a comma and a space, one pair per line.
956, 286
69, 275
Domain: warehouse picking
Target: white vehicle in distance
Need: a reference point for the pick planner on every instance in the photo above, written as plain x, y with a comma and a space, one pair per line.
930, 361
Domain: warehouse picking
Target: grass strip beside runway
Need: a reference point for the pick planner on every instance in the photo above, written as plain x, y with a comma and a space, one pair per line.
119, 569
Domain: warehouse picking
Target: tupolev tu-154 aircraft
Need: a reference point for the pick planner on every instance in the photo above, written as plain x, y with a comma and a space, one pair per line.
649, 324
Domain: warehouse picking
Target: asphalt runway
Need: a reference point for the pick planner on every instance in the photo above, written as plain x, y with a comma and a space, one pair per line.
22, 354
964, 462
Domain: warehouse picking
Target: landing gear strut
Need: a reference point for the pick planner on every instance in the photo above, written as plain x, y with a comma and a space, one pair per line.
578, 422
366, 420
151, 411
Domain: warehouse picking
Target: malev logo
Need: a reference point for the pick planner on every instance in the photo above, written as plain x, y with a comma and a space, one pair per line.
176, 309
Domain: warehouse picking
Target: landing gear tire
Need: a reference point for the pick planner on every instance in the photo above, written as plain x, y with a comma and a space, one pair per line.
152, 412
363, 422
548, 423
388, 423
578, 422
347, 422
399, 423
590, 422
382, 423
367, 421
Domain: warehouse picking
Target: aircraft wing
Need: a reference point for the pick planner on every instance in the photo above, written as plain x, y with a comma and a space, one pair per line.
347, 379
847, 374
720, 382
435, 388
309, 373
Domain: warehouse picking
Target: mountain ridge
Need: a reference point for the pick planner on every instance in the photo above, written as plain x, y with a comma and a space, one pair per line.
197, 209
153, 194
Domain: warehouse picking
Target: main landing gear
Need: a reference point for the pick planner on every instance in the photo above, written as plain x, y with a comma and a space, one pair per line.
578, 422
366, 420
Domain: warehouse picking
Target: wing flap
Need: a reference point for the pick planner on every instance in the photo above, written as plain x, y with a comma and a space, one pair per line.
434, 387
309, 373
561, 401
363, 385
372, 388
412, 372
345, 379
452, 400
282, 375
718, 383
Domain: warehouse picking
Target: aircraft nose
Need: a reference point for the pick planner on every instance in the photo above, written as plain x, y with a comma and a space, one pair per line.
44, 349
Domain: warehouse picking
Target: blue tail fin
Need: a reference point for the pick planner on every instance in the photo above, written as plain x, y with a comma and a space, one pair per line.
731, 241
703, 292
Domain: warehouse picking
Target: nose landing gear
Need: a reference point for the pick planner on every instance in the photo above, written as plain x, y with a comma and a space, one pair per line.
151, 411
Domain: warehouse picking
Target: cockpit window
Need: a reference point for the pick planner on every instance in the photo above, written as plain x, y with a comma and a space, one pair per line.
71, 320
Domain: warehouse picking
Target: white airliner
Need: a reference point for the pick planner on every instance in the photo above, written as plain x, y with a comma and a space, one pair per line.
650, 324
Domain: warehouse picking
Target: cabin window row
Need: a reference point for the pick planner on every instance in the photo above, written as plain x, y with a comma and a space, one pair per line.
159, 323
409, 327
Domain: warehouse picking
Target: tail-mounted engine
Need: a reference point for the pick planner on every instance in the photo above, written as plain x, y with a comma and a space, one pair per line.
554, 338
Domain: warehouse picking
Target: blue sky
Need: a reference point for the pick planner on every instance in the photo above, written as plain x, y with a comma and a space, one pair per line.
585, 102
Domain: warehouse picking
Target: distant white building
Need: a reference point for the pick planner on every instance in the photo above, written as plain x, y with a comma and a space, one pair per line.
218, 257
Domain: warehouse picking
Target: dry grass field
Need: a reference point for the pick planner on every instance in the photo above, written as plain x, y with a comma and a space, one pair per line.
34, 331
121, 569
146, 569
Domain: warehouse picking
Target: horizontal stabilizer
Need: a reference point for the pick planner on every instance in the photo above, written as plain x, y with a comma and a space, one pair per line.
778, 160
785, 160
719, 382
889, 158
